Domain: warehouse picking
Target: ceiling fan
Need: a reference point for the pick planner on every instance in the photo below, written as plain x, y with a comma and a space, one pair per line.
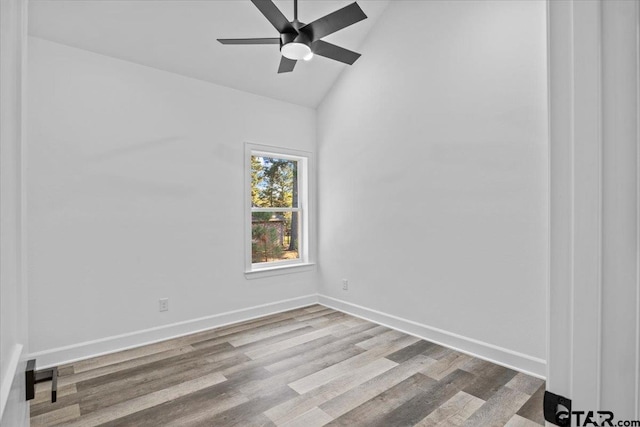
301, 41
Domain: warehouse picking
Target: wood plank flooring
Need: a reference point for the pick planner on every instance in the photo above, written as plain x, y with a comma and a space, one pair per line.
307, 367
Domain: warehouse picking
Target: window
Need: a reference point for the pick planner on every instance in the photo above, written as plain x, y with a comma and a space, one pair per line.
278, 208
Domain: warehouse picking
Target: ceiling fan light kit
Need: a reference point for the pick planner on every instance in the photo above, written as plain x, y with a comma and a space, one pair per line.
299, 41
296, 51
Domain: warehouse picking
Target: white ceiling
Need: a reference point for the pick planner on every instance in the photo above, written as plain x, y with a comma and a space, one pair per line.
180, 36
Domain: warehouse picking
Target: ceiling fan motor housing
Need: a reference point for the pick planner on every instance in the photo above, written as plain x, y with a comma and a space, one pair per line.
295, 45
298, 37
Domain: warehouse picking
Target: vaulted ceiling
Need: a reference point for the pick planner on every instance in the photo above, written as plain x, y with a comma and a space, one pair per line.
180, 36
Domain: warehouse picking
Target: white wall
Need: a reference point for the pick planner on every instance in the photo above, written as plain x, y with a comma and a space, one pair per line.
136, 193
433, 174
13, 309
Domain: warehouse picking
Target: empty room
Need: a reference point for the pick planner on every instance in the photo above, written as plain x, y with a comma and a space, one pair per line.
319, 212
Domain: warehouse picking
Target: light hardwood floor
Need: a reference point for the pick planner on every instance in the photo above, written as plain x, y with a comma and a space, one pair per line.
306, 367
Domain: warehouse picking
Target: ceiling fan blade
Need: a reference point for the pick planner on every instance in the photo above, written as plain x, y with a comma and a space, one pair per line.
273, 14
273, 40
286, 65
333, 22
334, 52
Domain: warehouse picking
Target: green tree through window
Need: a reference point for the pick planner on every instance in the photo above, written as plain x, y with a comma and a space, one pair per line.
275, 209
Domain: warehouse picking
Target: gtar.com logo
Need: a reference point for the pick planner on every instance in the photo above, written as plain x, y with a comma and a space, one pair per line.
593, 418
586, 418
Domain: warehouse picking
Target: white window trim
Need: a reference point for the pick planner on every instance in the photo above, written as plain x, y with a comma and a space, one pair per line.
305, 207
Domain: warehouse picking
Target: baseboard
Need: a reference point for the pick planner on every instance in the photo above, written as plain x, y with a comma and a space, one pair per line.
501, 356
8, 376
88, 349
495, 354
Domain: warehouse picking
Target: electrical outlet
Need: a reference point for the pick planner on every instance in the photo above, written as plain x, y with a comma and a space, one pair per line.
164, 304
345, 285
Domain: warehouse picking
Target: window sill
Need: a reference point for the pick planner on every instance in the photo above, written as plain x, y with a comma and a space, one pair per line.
279, 270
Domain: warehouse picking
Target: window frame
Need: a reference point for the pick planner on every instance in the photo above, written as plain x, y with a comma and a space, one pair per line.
304, 175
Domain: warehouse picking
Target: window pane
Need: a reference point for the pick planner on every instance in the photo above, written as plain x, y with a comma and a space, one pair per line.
275, 236
274, 182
